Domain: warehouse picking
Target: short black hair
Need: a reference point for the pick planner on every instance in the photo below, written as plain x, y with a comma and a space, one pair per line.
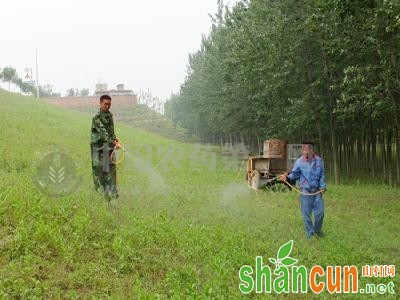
105, 97
308, 143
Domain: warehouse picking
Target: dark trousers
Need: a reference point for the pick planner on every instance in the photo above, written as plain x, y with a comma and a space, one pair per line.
104, 170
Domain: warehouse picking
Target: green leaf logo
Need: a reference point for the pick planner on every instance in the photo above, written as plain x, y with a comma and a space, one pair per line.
288, 261
285, 250
282, 257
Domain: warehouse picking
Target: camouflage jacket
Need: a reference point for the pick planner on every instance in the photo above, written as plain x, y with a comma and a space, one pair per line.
102, 128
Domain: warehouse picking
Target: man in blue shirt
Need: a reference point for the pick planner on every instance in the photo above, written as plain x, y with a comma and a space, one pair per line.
309, 169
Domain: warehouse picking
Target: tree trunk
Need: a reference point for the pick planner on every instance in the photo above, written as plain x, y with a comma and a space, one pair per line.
347, 156
389, 155
397, 148
373, 151
321, 147
332, 105
383, 153
334, 152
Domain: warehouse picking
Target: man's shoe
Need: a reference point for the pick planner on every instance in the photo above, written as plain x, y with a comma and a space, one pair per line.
320, 234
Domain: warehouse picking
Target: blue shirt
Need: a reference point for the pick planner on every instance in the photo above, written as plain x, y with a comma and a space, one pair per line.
311, 175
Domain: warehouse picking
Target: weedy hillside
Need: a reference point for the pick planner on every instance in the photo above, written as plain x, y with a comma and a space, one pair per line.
184, 225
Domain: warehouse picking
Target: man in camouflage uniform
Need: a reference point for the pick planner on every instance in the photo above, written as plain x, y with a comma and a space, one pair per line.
103, 142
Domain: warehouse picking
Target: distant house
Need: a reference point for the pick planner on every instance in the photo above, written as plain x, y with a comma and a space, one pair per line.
101, 88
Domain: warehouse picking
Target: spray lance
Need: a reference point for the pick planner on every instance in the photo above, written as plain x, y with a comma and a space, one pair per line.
118, 146
283, 177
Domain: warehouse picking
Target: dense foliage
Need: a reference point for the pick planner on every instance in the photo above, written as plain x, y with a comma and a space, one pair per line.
326, 70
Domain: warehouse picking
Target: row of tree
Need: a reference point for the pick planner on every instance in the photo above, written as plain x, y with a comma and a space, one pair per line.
152, 102
74, 92
10, 75
326, 70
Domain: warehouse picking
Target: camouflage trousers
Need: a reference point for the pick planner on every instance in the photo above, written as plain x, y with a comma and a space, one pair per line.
104, 171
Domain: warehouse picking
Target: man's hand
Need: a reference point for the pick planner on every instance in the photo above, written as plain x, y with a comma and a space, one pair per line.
117, 144
283, 177
323, 191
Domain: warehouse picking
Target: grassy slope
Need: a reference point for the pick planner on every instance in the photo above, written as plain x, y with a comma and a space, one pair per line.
180, 226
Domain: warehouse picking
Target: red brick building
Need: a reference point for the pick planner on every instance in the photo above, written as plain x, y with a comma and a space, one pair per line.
120, 98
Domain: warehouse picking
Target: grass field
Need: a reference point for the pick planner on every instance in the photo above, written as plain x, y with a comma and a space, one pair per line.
183, 226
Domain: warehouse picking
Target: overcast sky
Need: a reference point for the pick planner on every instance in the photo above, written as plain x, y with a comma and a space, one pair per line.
143, 44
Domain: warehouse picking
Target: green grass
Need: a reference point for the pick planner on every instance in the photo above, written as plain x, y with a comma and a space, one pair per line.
182, 227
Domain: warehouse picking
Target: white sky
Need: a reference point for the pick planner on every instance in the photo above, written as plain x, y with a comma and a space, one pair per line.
143, 44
